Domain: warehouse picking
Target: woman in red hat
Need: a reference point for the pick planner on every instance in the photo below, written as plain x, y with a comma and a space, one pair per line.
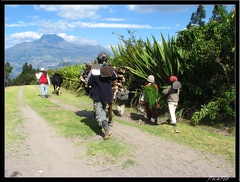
173, 91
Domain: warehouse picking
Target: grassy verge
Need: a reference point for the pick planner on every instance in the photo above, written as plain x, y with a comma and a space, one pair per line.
13, 120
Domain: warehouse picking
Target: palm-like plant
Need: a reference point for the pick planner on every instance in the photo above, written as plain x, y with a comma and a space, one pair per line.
143, 59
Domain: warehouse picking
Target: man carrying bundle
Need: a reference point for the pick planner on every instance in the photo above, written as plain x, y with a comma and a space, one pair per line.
100, 78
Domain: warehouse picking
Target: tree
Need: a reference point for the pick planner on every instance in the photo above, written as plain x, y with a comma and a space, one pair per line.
197, 17
7, 71
26, 77
209, 66
218, 13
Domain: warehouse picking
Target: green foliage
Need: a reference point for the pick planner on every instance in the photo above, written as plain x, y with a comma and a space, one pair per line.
144, 58
26, 77
208, 63
70, 74
222, 106
218, 12
7, 70
208, 109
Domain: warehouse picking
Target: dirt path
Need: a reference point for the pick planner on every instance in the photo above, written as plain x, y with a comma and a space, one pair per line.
46, 154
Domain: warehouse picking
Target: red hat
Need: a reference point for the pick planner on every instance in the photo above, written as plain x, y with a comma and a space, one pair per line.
173, 78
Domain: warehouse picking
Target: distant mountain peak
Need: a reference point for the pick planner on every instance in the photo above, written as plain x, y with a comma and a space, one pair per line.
51, 37
50, 52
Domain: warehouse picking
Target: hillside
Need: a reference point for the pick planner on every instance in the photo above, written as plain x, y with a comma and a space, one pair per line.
50, 51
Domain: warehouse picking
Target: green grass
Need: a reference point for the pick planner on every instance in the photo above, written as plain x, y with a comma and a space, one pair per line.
108, 147
72, 99
112, 150
13, 119
68, 124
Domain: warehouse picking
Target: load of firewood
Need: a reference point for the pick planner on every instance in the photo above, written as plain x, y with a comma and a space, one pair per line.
119, 83
84, 74
121, 78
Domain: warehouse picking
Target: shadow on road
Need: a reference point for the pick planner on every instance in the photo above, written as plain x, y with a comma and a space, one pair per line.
90, 121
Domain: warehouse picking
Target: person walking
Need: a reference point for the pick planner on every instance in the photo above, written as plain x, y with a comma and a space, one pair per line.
149, 98
173, 91
101, 78
120, 97
44, 81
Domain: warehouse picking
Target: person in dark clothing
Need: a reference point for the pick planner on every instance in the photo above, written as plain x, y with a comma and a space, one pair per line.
100, 78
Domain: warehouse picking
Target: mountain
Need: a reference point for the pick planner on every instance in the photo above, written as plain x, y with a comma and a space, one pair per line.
50, 51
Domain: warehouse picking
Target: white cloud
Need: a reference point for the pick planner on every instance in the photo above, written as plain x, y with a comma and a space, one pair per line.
17, 38
20, 24
77, 40
157, 8
114, 19
108, 25
73, 11
53, 27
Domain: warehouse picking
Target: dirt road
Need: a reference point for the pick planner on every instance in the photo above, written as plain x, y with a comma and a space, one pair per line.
46, 154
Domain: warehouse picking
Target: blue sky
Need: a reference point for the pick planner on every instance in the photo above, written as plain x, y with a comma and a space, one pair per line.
95, 24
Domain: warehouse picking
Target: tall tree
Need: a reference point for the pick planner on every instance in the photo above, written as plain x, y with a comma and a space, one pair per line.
26, 77
7, 71
218, 13
197, 17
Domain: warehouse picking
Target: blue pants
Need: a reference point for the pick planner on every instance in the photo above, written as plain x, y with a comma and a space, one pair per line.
44, 90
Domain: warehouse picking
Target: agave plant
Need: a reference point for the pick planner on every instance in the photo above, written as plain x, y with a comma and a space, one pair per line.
159, 60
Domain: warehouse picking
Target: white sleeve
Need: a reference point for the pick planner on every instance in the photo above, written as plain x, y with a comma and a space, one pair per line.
38, 75
114, 95
142, 97
89, 74
49, 82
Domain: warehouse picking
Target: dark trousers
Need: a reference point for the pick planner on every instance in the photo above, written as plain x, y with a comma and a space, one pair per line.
151, 113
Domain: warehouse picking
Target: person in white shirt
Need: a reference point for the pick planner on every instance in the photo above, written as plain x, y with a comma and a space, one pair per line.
44, 81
